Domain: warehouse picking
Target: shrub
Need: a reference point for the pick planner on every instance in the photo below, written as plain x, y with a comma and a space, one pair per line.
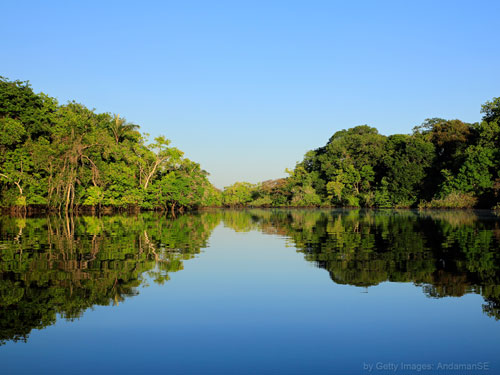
352, 201
262, 202
454, 199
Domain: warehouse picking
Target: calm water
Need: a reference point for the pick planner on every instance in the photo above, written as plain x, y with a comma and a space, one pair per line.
257, 291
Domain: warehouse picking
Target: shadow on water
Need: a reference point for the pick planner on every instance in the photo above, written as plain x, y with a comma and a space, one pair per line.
53, 265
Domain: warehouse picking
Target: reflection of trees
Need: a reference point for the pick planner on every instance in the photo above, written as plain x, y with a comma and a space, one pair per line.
448, 253
51, 266
240, 221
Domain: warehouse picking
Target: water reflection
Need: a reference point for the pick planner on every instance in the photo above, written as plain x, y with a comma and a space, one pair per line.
54, 265
448, 253
51, 266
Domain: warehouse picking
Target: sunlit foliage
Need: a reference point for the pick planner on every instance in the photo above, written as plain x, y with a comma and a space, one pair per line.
71, 158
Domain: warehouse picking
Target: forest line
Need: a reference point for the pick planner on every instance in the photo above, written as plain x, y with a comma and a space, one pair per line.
70, 158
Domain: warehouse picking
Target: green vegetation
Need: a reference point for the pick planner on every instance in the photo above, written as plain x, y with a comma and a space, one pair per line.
67, 157
443, 164
70, 158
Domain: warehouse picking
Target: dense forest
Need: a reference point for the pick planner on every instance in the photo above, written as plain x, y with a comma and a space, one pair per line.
68, 157
443, 164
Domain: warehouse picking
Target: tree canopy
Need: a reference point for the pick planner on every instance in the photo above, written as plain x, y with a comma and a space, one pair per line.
70, 157
443, 163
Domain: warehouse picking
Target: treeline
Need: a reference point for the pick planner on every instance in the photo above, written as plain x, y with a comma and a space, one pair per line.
443, 164
69, 157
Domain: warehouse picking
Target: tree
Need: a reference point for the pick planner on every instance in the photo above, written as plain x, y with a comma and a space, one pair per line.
406, 164
491, 110
122, 129
163, 156
238, 194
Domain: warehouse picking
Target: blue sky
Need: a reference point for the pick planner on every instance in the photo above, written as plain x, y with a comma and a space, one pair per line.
245, 88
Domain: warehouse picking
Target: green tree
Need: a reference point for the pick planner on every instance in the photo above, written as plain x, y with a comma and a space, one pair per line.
238, 194
406, 164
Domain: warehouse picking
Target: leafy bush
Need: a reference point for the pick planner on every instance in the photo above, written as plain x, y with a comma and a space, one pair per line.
352, 201
262, 202
453, 200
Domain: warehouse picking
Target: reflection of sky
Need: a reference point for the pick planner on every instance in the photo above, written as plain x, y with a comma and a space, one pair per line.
248, 304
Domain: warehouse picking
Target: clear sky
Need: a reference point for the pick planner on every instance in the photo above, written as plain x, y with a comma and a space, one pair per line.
245, 88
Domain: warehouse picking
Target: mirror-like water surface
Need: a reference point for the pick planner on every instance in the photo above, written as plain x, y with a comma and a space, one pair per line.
254, 291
